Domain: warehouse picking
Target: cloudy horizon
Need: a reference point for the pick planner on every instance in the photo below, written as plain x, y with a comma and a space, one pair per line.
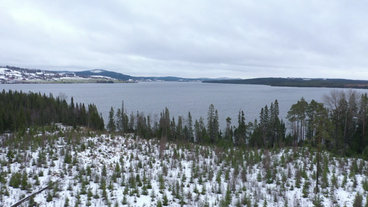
192, 39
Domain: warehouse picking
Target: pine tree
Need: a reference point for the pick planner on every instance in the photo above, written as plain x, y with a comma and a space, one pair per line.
161, 182
297, 178
197, 132
228, 196
204, 189
190, 128
180, 129
15, 180
358, 201
104, 171
24, 183
49, 197
111, 127
212, 124
32, 202
325, 178
66, 203
119, 120
165, 201
269, 178
306, 189
228, 130
241, 130
159, 203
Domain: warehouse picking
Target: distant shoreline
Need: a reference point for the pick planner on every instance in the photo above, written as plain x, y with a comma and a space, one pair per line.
298, 82
64, 82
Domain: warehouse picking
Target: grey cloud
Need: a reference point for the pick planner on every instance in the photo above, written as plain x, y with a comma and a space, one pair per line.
191, 38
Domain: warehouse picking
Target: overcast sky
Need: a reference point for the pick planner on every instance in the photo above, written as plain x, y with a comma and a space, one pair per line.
209, 38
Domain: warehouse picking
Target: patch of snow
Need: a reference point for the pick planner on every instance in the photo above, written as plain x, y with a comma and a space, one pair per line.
183, 168
96, 71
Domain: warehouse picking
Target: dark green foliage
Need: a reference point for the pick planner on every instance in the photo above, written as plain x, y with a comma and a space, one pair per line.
358, 201
203, 190
159, 203
138, 180
365, 185
269, 177
21, 110
270, 131
161, 181
297, 178
228, 197
111, 126
317, 201
324, 178
15, 180
165, 201
212, 124
49, 197
32, 202
240, 133
334, 181
24, 182
104, 170
341, 128
10, 156
68, 157
259, 177
144, 190
298, 82
117, 169
306, 189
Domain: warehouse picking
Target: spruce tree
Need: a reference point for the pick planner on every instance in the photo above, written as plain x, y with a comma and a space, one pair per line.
212, 124
24, 183
111, 127
165, 201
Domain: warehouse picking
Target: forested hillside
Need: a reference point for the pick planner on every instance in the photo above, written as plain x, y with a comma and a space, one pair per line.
298, 82
19, 110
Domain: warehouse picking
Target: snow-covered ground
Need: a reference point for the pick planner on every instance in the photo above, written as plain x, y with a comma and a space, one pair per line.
32, 76
104, 170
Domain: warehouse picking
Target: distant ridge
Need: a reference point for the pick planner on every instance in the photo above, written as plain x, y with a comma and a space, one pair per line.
298, 82
121, 76
105, 74
101, 72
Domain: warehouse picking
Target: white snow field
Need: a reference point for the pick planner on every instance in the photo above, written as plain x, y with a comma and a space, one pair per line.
88, 169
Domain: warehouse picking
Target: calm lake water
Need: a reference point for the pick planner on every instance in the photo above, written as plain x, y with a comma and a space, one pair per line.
180, 98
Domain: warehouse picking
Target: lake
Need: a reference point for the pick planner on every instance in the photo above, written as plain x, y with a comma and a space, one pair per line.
180, 97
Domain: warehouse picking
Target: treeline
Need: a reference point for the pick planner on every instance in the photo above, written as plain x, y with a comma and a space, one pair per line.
338, 125
298, 82
268, 132
19, 111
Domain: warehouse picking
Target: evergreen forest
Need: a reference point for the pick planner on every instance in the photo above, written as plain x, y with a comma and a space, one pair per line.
19, 111
177, 161
338, 125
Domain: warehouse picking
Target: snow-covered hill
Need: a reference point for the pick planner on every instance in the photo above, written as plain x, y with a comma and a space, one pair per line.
22, 75
88, 169
96, 71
